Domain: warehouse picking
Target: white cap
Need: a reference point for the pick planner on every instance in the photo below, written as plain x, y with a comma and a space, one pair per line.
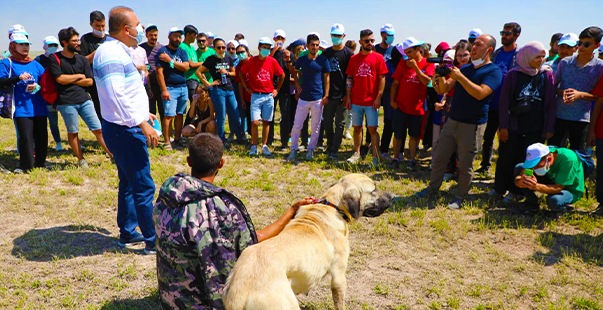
534, 153
243, 42
315, 33
17, 28
280, 32
19, 37
338, 29
235, 43
475, 32
51, 40
411, 42
569, 39
150, 26
389, 29
265, 40
209, 34
324, 44
449, 55
176, 29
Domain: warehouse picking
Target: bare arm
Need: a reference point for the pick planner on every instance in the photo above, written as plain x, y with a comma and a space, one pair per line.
281, 80
441, 85
478, 92
278, 226
160, 79
381, 87
327, 84
90, 57
200, 74
181, 66
423, 77
393, 93
87, 82
66, 79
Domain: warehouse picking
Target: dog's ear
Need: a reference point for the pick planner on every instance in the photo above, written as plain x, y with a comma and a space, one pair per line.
351, 199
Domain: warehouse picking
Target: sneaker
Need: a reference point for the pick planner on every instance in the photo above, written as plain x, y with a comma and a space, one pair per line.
354, 158
456, 203
181, 143
83, 164
292, 155
375, 162
412, 165
494, 194
364, 150
385, 156
448, 176
58, 147
301, 148
424, 193
4, 170
150, 249
126, 243
310, 154
512, 198
347, 136
18, 171
254, 150
483, 170
395, 164
231, 137
266, 150
333, 156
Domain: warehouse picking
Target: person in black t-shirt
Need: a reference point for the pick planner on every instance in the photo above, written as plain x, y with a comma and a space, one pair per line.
283, 57
89, 43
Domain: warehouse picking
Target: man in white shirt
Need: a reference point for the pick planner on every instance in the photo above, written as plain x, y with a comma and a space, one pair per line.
125, 110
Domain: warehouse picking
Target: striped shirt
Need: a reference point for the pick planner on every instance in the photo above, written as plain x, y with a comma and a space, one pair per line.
123, 99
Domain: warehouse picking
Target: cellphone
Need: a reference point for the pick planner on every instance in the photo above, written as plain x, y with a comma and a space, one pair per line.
279, 44
528, 172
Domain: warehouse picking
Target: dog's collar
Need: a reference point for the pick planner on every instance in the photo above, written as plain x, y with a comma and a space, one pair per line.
325, 202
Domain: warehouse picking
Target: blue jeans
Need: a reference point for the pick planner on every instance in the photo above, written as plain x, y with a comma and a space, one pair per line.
53, 121
70, 113
555, 202
136, 186
178, 99
226, 102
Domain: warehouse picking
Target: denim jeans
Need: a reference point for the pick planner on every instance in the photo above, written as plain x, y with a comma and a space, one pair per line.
555, 202
226, 102
53, 120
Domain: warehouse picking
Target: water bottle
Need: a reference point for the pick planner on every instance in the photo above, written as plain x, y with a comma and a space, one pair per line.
224, 79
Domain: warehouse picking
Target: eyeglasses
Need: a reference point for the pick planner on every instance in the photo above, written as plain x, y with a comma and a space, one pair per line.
231, 48
506, 33
586, 44
368, 41
201, 41
220, 47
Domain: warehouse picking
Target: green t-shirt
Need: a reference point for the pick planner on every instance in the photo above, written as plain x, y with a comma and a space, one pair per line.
192, 56
568, 171
202, 56
551, 58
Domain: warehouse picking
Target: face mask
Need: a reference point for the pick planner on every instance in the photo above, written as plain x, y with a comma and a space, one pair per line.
542, 171
242, 56
140, 35
479, 62
52, 50
264, 52
336, 40
98, 33
389, 40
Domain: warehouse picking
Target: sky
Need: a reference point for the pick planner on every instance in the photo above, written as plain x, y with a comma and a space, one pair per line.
431, 21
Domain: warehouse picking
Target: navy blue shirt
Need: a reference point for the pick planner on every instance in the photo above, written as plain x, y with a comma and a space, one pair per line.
504, 60
466, 108
172, 77
312, 76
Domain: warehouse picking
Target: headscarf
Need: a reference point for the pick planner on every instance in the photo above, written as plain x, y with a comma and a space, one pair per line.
526, 54
12, 48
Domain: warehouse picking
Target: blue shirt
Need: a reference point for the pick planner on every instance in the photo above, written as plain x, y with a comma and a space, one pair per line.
504, 61
553, 64
26, 104
172, 76
569, 75
466, 108
312, 76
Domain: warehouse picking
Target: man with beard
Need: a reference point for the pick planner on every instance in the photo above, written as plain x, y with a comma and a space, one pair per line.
204, 51
73, 74
504, 58
172, 63
554, 51
152, 46
89, 43
192, 81
567, 46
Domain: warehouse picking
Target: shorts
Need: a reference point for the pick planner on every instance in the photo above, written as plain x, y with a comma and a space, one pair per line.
178, 101
358, 112
85, 110
401, 121
262, 107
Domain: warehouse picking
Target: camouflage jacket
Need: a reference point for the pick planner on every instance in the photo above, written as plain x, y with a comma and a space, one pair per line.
201, 231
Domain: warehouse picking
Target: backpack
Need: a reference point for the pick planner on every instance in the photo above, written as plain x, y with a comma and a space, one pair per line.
7, 105
588, 164
49, 85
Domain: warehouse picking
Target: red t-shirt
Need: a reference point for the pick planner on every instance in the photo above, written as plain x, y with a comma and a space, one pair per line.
598, 91
261, 73
411, 92
366, 71
246, 95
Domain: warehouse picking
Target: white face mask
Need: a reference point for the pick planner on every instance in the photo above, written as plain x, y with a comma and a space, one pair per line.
478, 62
98, 33
140, 37
544, 170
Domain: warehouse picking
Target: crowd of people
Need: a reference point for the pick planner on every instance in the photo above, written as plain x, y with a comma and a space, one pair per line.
455, 103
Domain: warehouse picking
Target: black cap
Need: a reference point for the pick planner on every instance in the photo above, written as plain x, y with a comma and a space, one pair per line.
190, 29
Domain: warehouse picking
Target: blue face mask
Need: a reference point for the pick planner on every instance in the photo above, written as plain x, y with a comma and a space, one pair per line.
52, 50
336, 40
389, 40
544, 170
242, 56
264, 52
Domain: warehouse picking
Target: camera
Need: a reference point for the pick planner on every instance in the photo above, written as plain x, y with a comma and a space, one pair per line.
445, 65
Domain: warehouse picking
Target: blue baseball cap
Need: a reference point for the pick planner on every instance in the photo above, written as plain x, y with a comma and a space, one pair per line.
338, 29
569, 39
389, 29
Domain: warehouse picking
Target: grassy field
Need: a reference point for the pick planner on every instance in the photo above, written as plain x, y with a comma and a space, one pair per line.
58, 238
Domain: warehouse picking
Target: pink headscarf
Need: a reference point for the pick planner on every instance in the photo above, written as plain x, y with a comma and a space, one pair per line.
526, 54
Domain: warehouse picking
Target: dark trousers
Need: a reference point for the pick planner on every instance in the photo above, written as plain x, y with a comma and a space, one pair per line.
304, 133
282, 100
94, 97
136, 186
333, 124
489, 134
191, 86
430, 101
386, 135
577, 132
33, 135
155, 101
510, 154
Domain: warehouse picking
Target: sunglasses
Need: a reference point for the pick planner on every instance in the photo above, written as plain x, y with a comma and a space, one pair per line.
506, 33
201, 41
586, 44
220, 47
368, 41
231, 48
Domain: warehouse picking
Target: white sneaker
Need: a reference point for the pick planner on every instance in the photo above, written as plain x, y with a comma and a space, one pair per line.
83, 164
58, 147
347, 135
354, 158
266, 150
292, 155
254, 150
310, 154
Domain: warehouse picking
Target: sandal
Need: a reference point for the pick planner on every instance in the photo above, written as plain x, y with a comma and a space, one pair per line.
168, 147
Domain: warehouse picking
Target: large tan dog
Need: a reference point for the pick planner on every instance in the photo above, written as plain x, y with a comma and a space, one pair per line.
268, 275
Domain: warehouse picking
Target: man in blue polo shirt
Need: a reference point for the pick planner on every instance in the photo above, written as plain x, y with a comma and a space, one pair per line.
172, 63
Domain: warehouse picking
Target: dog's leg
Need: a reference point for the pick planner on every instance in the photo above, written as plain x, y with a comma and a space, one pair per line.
338, 286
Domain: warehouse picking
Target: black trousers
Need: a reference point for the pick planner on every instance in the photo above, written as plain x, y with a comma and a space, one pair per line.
432, 98
33, 134
282, 100
577, 132
333, 124
155, 101
510, 154
489, 134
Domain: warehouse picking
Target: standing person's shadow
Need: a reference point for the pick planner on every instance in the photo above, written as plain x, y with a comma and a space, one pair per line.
63, 243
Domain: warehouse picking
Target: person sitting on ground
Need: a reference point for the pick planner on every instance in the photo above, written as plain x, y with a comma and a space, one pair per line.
201, 114
202, 230
565, 172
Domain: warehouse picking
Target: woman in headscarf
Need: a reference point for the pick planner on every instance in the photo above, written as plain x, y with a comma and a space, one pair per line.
51, 46
30, 112
527, 114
